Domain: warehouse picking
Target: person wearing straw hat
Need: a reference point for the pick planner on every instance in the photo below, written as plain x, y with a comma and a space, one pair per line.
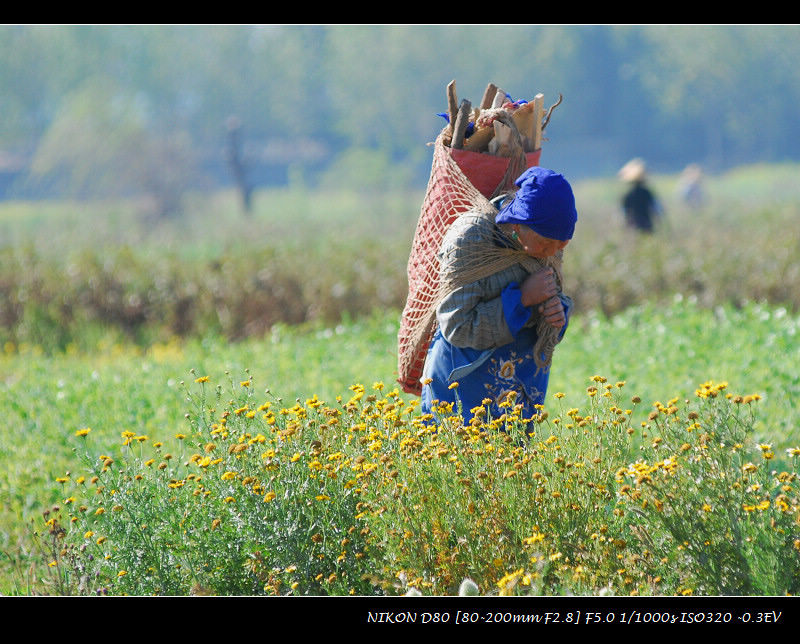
639, 204
495, 335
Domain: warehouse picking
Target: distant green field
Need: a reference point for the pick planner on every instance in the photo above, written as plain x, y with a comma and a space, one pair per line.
71, 273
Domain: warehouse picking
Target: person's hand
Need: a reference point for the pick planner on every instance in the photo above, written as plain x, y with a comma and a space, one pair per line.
553, 312
538, 287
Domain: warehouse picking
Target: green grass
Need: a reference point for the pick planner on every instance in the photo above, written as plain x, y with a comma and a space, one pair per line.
212, 225
665, 351
251, 493
658, 352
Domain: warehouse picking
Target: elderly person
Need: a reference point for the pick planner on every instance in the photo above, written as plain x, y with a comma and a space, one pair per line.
495, 335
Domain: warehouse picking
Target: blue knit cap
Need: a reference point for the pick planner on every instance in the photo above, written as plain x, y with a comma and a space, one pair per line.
544, 202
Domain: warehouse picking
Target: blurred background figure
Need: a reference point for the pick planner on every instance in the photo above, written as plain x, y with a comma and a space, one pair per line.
639, 204
690, 186
236, 161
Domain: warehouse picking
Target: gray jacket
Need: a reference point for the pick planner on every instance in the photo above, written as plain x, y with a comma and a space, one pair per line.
472, 315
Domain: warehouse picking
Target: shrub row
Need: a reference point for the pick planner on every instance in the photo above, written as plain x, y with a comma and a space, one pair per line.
153, 294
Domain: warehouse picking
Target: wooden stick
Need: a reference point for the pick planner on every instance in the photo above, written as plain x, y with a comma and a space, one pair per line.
452, 103
499, 98
523, 119
460, 127
538, 107
550, 111
479, 139
488, 96
476, 114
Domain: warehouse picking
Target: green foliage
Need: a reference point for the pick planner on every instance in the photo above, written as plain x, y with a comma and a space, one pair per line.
306, 255
591, 501
238, 510
100, 144
635, 89
364, 495
719, 504
369, 170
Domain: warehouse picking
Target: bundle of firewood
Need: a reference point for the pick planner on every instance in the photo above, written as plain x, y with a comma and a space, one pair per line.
496, 124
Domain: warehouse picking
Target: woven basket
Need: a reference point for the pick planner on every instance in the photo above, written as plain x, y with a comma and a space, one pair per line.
460, 180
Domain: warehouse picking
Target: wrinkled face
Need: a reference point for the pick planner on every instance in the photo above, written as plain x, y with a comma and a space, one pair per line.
537, 246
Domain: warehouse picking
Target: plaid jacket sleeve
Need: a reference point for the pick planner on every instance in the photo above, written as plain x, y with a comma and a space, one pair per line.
473, 315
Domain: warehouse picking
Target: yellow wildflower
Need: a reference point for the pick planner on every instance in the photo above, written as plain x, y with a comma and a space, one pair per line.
508, 581
529, 541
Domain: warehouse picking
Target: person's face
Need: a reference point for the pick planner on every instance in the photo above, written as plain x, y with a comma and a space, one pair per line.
537, 246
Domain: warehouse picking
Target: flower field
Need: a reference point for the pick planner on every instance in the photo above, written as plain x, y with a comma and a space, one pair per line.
363, 496
664, 461
215, 484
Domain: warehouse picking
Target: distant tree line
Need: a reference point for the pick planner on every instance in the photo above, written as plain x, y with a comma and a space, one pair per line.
105, 110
